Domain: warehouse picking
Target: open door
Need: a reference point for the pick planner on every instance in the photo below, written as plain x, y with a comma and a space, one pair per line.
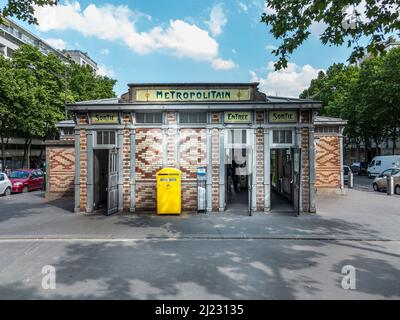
296, 180
112, 190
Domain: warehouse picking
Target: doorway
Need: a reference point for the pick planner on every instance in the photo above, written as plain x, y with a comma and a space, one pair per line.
238, 162
100, 179
282, 180
237, 179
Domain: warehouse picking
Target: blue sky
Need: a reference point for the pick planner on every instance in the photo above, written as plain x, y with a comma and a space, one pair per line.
182, 41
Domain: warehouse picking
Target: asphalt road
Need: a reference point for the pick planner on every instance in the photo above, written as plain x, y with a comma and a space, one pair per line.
362, 183
199, 269
221, 256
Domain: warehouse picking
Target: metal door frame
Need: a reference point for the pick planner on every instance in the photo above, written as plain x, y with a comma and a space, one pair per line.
112, 187
297, 180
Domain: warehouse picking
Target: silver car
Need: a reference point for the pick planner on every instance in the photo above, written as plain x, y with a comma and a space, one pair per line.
380, 182
5, 185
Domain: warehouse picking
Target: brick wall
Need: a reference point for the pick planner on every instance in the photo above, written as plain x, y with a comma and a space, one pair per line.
260, 169
215, 168
305, 162
60, 172
126, 154
215, 119
192, 154
328, 162
83, 170
148, 163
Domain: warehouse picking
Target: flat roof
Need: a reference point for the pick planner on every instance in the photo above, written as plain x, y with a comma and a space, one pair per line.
323, 120
262, 102
194, 84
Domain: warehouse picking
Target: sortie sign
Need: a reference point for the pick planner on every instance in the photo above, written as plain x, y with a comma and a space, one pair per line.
238, 117
104, 118
181, 95
282, 116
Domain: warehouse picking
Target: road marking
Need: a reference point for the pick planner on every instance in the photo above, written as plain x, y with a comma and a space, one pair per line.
15, 240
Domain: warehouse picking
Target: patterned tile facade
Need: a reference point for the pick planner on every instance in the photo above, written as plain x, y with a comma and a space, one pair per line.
61, 171
328, 162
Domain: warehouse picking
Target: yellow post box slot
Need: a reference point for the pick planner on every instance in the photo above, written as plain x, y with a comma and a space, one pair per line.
169, 191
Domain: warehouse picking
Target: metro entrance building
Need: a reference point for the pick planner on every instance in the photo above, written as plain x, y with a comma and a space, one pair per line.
258, 151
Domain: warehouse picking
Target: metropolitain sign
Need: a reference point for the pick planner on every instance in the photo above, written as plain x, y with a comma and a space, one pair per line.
182, 95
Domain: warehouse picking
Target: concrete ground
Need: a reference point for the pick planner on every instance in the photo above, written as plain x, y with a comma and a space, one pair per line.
215, 256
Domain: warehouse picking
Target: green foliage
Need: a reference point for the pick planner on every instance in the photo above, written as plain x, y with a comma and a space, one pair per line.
291, 21
368, 97
24, 9
84, 86
34, 88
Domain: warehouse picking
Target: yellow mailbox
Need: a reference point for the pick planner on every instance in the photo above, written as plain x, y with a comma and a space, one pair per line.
169, 191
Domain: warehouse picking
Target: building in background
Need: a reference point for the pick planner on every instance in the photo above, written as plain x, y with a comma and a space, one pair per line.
12, 36
81, 58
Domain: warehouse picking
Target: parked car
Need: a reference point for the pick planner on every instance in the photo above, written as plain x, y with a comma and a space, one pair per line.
380, 182
25, 180
382, 163
359, 167
346, 170
5, 185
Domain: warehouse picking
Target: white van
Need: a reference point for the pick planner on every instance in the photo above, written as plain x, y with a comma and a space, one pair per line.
381, 163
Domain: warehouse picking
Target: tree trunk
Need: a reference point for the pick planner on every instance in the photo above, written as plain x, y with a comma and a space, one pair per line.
365, 150
26, 156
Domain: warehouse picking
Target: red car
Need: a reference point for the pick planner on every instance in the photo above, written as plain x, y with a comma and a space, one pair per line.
24, 180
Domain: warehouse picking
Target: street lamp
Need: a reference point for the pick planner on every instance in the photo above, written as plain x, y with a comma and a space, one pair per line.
60, 76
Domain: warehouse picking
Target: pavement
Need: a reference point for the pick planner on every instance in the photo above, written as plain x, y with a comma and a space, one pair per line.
213, 256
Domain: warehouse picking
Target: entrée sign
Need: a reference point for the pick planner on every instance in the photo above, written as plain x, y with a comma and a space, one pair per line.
162, 95
238, 117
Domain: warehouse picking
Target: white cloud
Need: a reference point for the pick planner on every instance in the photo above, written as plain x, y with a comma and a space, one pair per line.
117, 23
105, 52
103, 70
243, 7
221, 64
270, 47
289, 82
59, 44
218, 20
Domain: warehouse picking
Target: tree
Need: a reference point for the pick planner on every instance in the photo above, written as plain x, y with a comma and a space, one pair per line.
32, 94
24, 9
343, 21
9, 105
83, 84
367, 96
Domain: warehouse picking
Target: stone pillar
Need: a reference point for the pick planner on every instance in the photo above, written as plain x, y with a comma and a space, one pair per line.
77, 182
221, 171
89, 183
312, 162
253, 199
209, 171
120, 142
132, 170
299, 145
267, 171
